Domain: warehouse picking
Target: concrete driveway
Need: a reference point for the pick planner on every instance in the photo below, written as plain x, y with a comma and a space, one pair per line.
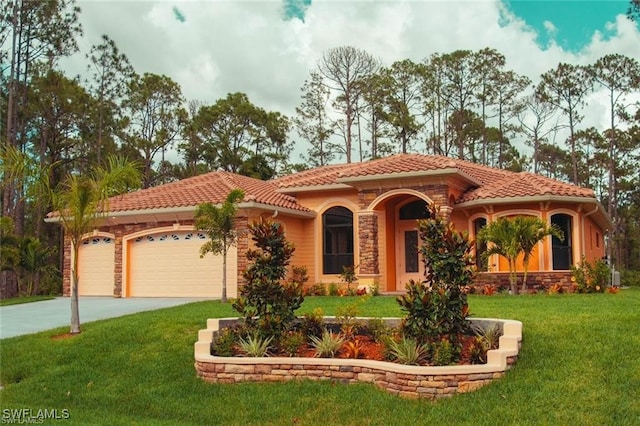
27, 318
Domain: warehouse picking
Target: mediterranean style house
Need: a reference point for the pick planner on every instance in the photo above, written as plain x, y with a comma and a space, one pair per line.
362, 214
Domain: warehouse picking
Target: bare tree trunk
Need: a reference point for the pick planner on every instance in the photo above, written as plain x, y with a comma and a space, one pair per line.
224, 276
75, 309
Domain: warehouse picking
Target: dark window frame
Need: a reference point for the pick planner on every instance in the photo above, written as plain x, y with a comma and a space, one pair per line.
562, 251
337, 239
482, 263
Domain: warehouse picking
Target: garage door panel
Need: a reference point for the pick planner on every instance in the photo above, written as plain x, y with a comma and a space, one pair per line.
169, 265
96, 265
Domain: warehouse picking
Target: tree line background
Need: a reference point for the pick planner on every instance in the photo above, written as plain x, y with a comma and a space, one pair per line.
463, 104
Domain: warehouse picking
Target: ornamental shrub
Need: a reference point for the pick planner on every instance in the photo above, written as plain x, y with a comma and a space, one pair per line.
266, 301
590, 277
437, 307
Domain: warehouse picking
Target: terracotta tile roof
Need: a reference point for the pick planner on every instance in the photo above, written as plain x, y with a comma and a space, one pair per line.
214, 186
493, 183
524, 184
211, 187
331, 174
324, 175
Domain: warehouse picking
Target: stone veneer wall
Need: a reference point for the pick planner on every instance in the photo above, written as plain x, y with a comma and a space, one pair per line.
535, 280
368, 241
404, 380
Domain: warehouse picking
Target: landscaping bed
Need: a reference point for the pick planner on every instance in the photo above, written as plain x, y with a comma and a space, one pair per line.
415, 381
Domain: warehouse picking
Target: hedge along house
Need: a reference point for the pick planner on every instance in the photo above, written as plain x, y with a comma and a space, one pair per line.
362, 214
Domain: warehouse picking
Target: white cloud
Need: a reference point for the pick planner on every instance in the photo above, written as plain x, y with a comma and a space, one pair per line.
247, 46
551, 29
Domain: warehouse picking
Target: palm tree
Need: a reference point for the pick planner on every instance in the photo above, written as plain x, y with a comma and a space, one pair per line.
504, 238
81, 201
532, 230
9, 245
35, 263
217, 223
511, 236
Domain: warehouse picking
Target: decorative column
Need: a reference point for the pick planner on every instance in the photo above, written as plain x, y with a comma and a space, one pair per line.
369, 266
117, 266
445, 212
241, 225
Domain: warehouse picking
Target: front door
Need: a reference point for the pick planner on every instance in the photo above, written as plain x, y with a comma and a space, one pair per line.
409, 262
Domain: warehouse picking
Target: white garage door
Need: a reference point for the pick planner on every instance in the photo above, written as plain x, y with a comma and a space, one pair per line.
96, 267
169, 265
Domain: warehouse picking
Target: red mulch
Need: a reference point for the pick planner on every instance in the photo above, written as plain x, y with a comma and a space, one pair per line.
372, 350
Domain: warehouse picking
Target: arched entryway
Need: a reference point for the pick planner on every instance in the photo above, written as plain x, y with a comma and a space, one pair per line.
408, 259
398, 213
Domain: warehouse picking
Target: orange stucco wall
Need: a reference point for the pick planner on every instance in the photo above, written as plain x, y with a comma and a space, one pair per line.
587, 237
306, 233
297, 231
308, 239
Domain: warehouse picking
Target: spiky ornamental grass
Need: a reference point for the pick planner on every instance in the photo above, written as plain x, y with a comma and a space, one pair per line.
328, 345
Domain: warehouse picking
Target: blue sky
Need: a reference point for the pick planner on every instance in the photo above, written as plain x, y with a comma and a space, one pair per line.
570, 23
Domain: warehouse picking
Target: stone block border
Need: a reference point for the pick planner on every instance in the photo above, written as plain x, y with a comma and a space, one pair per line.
404, 380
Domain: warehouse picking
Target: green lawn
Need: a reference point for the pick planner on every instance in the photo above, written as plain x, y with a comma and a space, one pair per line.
579, 365
26, 299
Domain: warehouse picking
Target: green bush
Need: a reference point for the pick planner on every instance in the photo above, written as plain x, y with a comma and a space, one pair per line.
318, 289
266, 302
334, 290
630, 277
379, 329
348, 275
591, 277
291, 342
437, 307
444, 352
486, 338
224, 341
312, 324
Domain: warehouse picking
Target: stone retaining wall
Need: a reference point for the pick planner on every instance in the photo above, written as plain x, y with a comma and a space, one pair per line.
404, 380
535, 280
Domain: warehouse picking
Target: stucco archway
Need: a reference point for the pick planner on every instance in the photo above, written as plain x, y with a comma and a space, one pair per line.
389, 238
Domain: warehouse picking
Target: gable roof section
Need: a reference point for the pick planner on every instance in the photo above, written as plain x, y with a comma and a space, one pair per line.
324, 177
395, 166
213, 187
523, 184
210, 187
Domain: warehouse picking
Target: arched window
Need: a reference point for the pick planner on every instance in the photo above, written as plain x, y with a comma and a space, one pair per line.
482, 263
414, 210
562, 250
337, 231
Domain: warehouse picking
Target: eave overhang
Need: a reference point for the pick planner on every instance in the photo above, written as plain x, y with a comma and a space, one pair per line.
351, 180
313, 188
183, 213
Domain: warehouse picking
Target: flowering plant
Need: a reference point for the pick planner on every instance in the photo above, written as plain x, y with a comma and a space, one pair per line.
590, 277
